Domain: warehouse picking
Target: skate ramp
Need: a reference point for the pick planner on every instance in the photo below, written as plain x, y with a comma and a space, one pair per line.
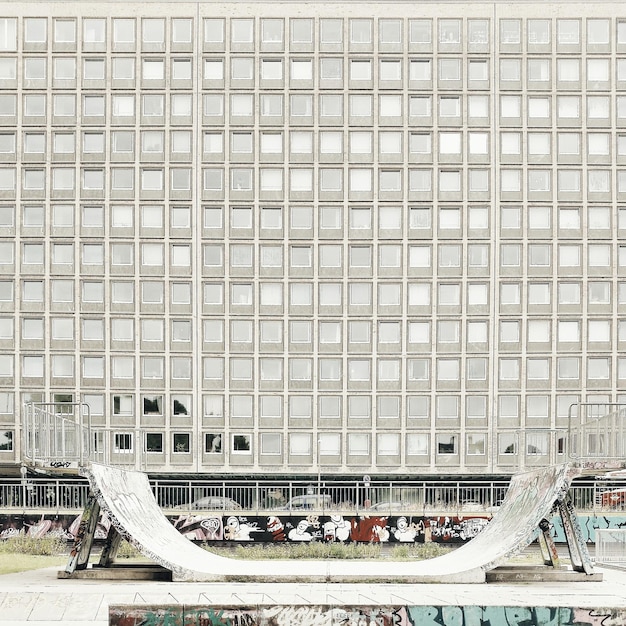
127, 498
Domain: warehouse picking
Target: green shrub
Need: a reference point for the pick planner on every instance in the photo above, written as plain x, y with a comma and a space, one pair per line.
23, 544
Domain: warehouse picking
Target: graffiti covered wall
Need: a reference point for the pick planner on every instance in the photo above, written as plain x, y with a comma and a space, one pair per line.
274, 528
302, 528
311, 615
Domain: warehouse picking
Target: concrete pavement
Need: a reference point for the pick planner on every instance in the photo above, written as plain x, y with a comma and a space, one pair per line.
38, 598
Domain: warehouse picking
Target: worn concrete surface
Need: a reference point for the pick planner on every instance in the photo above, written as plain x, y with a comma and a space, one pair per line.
38, 598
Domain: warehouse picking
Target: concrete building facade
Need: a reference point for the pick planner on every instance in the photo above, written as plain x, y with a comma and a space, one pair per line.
288, 238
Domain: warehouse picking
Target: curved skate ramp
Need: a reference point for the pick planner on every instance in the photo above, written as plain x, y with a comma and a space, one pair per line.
128, 500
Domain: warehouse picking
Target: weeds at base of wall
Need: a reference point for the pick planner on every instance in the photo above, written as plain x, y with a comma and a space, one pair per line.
55, 546
128, 551
323, 551
417, 552
44, 546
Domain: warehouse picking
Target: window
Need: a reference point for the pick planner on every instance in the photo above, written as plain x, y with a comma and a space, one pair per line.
122, 442
417, 444
507, 443
93, 69
63, 143
181, 443
35, 30
331, 68
568, 32
301, 31
93, 106
34, 69
358, 444
154, 442
300, 444
8, 34
449, 69
153, 31
241, 444
213, 443
388, 444
390, 31
331, 31
181, 30
447, 443
124, 31
272, 105
301, 105
94, 31
331, 105
361, 31
568, 70
123, 106
122, 329
8, 105
475, 444
34, 105
598, 107
538, 32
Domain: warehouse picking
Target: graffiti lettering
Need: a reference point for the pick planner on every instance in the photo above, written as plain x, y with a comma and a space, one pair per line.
508, 616
167, 618
59, 464
219, 617
282, 615
285, 616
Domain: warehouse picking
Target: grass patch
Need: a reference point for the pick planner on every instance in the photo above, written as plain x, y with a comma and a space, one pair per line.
417, 551
13, 563
22, 553
324, 551
23, 544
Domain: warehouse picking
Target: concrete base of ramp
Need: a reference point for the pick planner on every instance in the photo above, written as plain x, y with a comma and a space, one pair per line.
126, 497
535, 574
123, 572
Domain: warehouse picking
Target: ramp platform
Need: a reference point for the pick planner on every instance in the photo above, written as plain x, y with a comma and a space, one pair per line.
126, 497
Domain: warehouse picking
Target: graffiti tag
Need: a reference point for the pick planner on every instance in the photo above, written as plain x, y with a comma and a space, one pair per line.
60, 464
312, 615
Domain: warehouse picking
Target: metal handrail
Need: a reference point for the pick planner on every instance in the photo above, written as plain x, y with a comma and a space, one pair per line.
597, 432
260, 497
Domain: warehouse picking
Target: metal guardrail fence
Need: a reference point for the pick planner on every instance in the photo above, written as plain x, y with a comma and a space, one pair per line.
57, 432
610, 545
259, 497
61, 435
597, 432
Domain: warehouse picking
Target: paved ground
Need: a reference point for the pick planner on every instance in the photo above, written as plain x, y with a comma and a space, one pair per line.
38, 598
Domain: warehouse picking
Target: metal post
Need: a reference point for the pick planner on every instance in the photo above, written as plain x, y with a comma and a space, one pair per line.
319, 469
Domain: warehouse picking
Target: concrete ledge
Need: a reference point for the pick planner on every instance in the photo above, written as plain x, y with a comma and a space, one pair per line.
119, 572
538, 573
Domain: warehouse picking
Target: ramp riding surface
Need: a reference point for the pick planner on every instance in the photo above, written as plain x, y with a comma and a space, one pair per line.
127, 498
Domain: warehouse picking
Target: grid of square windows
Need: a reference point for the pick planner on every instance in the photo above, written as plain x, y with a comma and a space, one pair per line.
323, 192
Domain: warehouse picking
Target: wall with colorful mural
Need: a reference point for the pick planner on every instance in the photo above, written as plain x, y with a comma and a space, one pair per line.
302, 528
311, 615
274, 528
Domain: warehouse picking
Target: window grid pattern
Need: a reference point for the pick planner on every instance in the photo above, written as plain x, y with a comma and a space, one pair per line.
319, 241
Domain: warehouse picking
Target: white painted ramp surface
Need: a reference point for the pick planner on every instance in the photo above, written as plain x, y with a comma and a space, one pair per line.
127, 498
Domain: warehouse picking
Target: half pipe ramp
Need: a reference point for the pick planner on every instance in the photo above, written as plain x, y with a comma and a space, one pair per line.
127, 498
